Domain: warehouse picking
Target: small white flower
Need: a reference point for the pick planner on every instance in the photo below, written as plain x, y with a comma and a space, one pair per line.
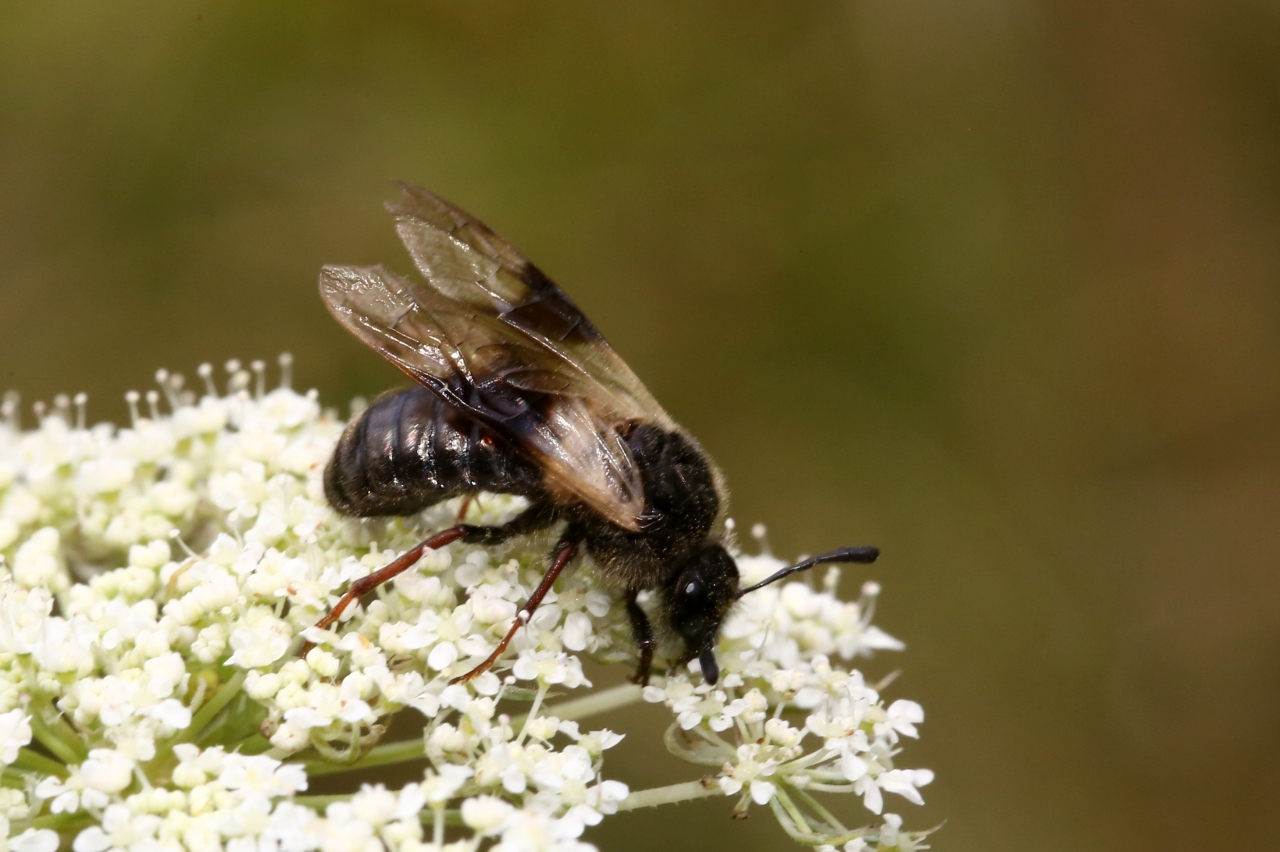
64, 646
121, 829
290, 738
104, 475
69, 796
533, 831
594, 742
23, 615
875, 639
15, 732
903, 716
779, 732
164, 674
577, 630
107, 770
260, 640
442, 656
375, 805
543, 727
35, 840
606, 795
750, 771
262, 774
485, 813
439, 787
903, 782
38, 563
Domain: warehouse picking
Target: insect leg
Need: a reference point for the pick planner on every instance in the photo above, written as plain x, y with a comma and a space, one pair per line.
643, 633
466, 504
362, 586
537, 517
534, 518
564, 552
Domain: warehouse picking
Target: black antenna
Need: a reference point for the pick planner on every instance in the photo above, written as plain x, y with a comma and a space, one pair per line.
841, 554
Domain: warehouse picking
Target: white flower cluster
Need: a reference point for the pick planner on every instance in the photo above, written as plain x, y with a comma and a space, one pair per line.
776, 652
157, 585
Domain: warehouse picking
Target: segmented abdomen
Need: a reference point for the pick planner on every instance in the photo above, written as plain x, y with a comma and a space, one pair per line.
409, 450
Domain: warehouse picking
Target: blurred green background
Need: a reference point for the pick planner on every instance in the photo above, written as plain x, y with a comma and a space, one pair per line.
993, 285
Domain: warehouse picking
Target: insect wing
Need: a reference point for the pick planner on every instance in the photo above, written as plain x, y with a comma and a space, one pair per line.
493, 371
462, 257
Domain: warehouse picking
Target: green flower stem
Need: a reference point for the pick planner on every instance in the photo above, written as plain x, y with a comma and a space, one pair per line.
591, 705
69, 735
818, 809
62, 822
794, 812
255, 744
533, 712
669, 795
788, 825
403, 751
779, 806
215, 704
452, 819
319, 803
59, 738
437, 827
348, 756
808, 760
831, 788
810, 838
36, 762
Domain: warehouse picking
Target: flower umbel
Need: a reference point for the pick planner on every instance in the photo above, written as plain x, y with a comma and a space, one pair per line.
157, 586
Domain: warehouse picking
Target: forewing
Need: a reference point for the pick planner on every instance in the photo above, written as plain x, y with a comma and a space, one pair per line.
463, 258
495, 372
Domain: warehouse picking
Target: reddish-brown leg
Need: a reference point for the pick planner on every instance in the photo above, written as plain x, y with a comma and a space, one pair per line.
466, 504
366, 584
563, 554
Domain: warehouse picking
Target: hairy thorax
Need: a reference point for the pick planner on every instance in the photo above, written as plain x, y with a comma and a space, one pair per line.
682, 503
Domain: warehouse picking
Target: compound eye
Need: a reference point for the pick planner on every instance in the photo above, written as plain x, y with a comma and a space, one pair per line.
693, 588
